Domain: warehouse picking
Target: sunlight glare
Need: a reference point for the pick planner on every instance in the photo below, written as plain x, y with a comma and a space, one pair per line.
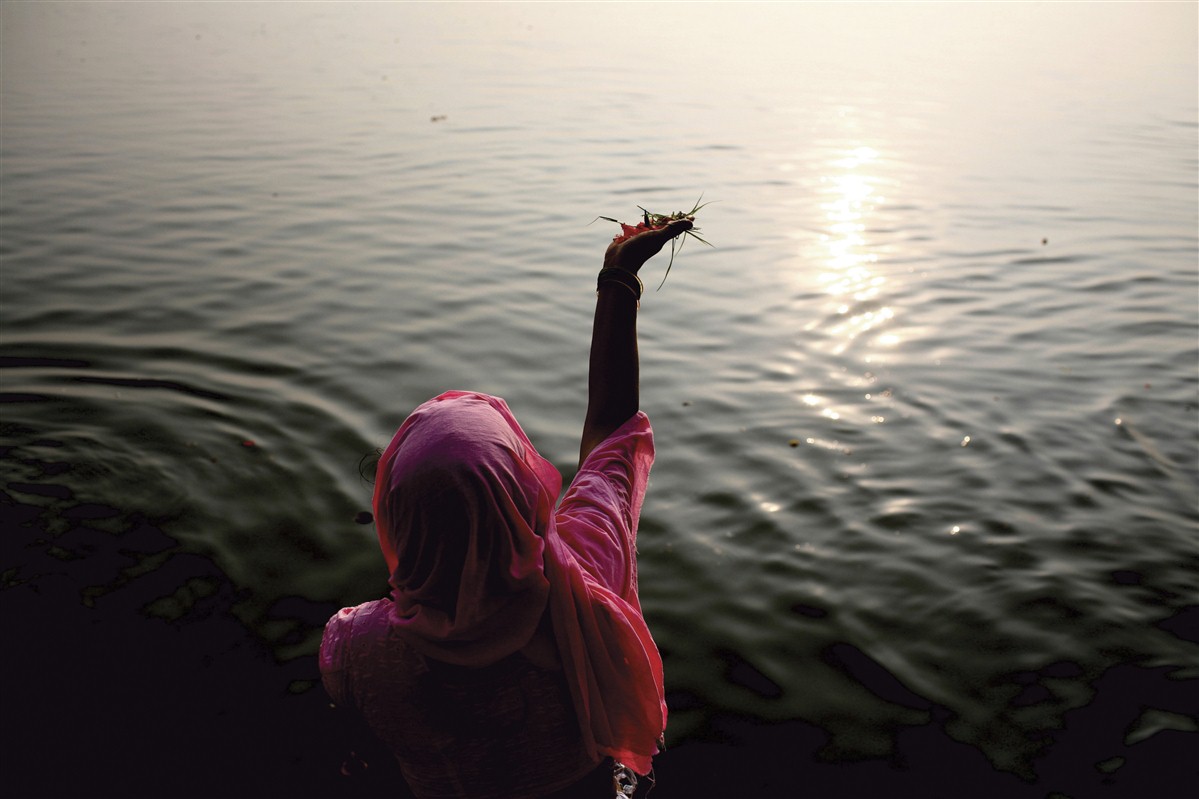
850, 195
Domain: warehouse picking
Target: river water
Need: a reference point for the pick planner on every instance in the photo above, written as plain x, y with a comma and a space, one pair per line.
923, 520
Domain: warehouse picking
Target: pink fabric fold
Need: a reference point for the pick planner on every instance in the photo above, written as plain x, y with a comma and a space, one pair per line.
465, 512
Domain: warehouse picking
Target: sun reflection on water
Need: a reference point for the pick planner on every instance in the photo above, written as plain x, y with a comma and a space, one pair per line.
849, 194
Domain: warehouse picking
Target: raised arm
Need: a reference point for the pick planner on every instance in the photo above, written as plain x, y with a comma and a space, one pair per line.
612, 381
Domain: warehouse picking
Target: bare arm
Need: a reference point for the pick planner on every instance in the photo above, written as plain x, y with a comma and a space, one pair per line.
612, 381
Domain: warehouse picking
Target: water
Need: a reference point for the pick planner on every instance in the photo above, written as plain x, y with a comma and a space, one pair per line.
924, 513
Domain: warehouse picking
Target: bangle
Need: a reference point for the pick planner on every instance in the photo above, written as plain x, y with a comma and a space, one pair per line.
612, 274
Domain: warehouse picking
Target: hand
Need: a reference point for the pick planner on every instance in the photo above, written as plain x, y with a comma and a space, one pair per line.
632, 253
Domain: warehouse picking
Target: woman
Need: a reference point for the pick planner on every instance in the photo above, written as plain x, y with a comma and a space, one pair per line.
512, 659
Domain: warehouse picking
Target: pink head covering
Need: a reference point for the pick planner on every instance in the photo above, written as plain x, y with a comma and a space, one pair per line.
464, 507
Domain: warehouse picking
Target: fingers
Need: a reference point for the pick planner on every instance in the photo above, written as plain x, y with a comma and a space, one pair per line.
658, 238
667, 231
632, 253
676, 227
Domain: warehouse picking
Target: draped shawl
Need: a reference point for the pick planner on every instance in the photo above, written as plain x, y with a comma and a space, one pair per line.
476, 550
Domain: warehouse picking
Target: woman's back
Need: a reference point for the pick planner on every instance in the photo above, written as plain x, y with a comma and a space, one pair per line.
504, 730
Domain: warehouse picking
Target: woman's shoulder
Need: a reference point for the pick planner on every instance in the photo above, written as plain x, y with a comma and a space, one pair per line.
346, 630
362, 617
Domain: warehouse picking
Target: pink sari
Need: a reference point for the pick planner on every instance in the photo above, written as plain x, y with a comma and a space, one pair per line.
465, 512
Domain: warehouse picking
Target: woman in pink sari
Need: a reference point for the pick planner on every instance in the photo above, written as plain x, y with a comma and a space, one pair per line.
512, 659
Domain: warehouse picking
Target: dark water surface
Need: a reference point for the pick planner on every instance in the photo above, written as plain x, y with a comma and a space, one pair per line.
924, 517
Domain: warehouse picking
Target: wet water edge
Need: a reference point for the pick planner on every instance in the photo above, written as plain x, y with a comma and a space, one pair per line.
132, 674
137, 667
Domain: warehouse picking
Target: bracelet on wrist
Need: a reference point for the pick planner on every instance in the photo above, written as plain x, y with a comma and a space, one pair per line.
612, 274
